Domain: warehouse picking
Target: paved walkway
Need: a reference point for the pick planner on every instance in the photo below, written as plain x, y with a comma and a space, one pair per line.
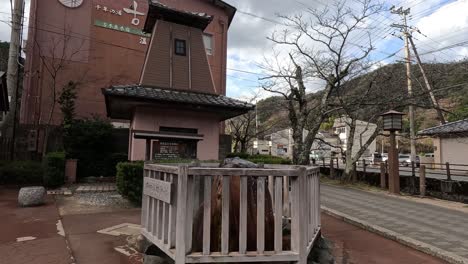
352, 244
442, 228
30, 235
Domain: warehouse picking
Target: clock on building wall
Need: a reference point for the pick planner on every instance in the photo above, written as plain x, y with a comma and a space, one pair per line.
71, 3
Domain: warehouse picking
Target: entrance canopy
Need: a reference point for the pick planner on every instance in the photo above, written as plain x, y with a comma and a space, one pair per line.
122, 100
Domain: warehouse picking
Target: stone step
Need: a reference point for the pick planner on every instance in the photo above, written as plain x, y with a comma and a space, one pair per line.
96, 188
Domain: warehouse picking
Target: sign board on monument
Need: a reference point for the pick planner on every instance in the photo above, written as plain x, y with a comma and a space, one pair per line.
157, 189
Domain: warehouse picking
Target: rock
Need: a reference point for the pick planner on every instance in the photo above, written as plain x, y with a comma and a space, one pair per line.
237, 163
154, 255
322, 252
31, 196
139, 243
149, 259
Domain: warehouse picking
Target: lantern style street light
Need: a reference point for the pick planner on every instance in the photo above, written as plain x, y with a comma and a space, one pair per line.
393, 122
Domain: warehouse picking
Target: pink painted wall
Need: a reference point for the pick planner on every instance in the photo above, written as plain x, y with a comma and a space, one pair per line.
150, 119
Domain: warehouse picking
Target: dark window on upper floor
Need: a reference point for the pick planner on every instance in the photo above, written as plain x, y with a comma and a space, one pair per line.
180, 47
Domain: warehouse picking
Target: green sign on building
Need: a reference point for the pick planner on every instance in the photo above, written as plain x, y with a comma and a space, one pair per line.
126, 29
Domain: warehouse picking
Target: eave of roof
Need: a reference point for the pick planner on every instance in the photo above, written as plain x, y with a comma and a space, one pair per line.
158, 11
231, 10
120, 100
452, 128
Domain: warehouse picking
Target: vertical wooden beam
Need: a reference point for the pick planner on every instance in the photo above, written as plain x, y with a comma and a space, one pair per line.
449, 175
144, 202
172, 212
422, 180
156, 211
286, 202
165, 220
260, 215
243, 216
189, 214
181, 215
278, 214
207, 215
271, 182
225, 215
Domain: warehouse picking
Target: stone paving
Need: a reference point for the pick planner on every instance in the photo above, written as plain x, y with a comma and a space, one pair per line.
440, 227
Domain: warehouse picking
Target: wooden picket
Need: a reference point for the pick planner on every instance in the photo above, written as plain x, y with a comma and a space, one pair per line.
170, 200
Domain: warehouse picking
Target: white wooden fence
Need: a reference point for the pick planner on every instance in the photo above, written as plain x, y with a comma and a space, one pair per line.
172, 194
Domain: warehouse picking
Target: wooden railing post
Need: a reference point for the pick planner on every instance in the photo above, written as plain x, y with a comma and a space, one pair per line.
298, 215
332, 170
422, 180
449, 176
181, 215
364, 166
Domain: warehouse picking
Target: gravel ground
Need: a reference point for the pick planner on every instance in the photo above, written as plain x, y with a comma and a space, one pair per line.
84, 203
102, 199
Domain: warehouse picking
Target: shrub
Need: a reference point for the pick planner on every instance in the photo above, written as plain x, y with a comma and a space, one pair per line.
240, 155
54, 169
21, 172
91, 142
130, 180
265, 159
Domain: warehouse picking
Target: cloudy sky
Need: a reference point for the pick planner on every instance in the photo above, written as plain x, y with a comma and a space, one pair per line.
442, 23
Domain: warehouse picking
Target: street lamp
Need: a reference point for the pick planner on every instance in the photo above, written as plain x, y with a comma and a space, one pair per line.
393, 122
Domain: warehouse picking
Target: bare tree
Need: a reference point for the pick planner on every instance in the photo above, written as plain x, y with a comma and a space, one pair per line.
245, 128
56, 55
319, 44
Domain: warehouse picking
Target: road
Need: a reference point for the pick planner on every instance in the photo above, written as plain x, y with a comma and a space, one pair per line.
440, 227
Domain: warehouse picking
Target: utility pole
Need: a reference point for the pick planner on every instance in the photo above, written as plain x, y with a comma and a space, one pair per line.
406, 35
434, 101
13, 66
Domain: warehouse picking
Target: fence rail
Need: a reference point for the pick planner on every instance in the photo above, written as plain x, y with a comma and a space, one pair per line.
179, 201
443, 169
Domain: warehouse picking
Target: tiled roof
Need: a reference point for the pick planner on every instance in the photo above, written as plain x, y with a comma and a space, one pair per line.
158, 11
176, 96
460, 126
159, 4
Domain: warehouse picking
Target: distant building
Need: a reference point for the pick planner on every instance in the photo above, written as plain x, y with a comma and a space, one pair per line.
363, 132
282, 144
325, 145
450, 142
175, 109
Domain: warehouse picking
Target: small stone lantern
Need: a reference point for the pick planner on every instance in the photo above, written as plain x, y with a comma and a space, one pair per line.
393, 122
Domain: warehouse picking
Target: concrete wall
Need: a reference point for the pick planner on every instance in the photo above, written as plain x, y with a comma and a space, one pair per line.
150, 119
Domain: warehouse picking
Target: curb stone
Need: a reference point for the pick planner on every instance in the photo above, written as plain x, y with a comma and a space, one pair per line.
407, 241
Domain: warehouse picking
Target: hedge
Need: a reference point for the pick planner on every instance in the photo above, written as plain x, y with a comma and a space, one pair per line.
21, 172
54, 169
130, 180
265, 159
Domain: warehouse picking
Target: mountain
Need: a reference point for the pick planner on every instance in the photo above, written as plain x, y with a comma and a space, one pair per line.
448, 80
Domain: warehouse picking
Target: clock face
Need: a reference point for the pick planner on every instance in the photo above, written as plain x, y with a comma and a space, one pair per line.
71, 3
